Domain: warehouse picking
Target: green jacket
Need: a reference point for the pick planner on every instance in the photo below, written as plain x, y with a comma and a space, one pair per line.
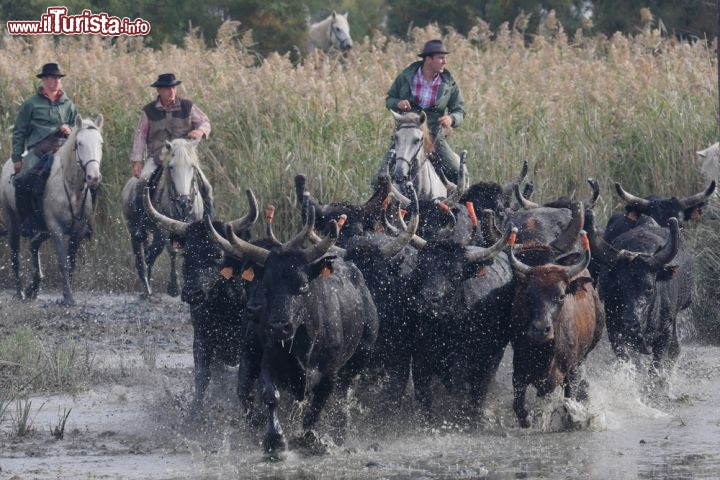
38, 118
449, 99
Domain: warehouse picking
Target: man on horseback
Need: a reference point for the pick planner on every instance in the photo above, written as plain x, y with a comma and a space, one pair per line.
166, 118
42, 125
427, 86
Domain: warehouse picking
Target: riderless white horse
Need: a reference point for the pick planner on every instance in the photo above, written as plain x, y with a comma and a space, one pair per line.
67, 205
333, 32
177, 196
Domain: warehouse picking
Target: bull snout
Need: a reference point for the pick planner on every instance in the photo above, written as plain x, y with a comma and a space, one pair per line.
281, 330
540, 332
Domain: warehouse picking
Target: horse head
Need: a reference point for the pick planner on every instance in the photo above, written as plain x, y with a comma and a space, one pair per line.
411, 143
181, 170
339, 32
87, 142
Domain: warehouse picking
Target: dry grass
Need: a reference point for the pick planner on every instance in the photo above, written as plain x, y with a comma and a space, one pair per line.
629, 109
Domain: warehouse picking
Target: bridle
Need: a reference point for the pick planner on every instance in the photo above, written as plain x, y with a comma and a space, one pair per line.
83, 166
176, 200
411, 161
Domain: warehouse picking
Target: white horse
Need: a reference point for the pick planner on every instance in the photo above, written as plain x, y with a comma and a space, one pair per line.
67, 205
333, 32
177, 196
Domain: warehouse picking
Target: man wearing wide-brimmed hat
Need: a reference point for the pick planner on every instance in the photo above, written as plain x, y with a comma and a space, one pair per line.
41, 127
426, 85
168, 117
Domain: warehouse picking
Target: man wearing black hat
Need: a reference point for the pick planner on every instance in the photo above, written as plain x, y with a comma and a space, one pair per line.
41, 127
427, 86
168, 117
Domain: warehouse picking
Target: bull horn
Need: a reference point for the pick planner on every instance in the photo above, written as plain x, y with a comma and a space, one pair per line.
243, 223
573, 270
478, 254
524, 202
517, 265
297, 240
595, 186
374, 205
219, 239
462, 181
488, 228
568, 237
246, 249
668, 252
408, 234
603, 252
630, 198
698, 198
314, 252
404, 201
170, 224
269, 233
507, 188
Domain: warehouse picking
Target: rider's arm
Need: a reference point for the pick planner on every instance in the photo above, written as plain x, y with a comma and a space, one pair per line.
200, 121
140, 139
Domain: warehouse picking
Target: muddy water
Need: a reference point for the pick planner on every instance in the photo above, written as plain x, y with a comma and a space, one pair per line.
130, 421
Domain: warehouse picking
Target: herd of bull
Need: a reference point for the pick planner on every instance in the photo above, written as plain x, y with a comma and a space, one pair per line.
431, 291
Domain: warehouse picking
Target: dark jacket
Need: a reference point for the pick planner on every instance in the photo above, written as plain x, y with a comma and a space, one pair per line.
449, 99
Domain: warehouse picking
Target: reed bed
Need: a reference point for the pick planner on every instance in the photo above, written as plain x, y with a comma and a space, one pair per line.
624, 109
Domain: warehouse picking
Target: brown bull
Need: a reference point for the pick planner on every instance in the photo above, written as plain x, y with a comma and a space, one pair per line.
557, 319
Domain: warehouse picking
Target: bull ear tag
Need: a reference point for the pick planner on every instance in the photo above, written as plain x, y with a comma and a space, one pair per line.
325, 272
226, 272
248, 274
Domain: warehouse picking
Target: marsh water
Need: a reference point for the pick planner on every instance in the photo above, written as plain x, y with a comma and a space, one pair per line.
130, 421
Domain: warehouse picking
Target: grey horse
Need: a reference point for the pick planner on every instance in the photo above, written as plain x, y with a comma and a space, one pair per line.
67, 205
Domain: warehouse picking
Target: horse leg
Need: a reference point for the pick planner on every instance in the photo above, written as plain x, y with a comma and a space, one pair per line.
172, 288
140, 265
64, 264
152, 252
14, 243
37, 275
73, 247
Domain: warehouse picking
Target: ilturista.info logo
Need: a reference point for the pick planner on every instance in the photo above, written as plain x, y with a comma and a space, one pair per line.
57, 22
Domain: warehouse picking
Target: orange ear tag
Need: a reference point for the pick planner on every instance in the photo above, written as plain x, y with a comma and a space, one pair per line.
632, 215
471, 212
584, 240
341, 221
248, 274
226, 273
481, 272
325, 272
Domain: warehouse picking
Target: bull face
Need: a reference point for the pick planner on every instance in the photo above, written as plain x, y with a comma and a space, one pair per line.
285, 297
539, 300
630, 292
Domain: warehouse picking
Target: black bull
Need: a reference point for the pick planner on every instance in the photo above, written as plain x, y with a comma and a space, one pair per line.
318, 322
645, 280
213, 287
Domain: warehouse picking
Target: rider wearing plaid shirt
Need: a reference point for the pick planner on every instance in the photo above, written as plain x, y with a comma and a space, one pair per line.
427, 86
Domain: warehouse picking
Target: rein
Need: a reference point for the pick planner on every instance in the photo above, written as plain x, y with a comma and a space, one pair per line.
85, 190
175, 198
